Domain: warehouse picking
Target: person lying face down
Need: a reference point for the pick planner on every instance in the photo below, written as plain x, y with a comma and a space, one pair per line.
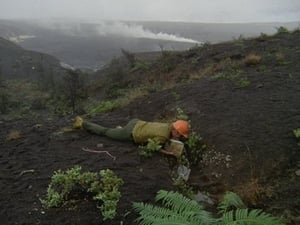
139, 131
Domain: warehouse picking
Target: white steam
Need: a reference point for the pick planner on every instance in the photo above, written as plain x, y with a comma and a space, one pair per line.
138, 31
111, 28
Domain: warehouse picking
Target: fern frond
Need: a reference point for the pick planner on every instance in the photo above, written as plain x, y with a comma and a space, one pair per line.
148, 210
172, 220
231, 199
249, 217
184, 206
176, 209
154, 215
177, 201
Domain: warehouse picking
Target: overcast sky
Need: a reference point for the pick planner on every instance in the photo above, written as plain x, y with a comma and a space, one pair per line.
158, 10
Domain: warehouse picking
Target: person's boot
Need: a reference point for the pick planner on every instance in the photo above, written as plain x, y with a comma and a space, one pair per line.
78, 122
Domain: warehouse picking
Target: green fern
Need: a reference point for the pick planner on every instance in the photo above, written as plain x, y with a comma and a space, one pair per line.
150, 214
179, 210
183, 205
248, 217
231, 199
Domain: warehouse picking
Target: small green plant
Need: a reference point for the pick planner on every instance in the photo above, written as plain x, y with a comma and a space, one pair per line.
175, 95
280, 58
235, 77
103, 107
243, 82
183, 187
195, 148
107, 192
180, 210
181, 115
151, 147
141, 66
297, 133
104, 186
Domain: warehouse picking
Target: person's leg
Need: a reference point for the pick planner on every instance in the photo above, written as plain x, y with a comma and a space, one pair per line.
122, 134
94, 128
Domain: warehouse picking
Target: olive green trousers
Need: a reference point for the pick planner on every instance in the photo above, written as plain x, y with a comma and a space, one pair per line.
121, 134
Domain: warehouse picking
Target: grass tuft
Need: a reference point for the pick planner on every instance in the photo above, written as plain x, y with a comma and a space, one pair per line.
13, 135
252, 59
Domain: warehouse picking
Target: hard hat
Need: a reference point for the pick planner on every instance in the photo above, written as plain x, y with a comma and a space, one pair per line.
182, 127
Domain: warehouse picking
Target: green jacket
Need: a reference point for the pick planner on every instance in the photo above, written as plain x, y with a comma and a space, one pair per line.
143, 131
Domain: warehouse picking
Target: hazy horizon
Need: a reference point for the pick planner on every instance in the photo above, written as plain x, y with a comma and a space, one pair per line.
199, 11
91, 45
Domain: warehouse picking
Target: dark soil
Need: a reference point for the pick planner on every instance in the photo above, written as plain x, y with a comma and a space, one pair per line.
251, 149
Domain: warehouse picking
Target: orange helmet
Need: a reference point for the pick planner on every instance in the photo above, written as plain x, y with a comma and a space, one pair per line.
182, 127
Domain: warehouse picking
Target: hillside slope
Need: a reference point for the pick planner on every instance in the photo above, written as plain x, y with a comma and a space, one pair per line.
16, 62
245, 112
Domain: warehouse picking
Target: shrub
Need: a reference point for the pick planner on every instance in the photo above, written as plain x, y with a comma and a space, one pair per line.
282, 30
104, 186
73, 88
263, 35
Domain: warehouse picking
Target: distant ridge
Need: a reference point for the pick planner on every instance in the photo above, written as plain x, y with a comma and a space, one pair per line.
91, 44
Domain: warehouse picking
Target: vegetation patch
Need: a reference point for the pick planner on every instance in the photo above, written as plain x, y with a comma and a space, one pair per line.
104, 187
102, 107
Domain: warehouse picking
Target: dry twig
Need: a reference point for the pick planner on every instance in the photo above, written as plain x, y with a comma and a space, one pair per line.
99, 152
